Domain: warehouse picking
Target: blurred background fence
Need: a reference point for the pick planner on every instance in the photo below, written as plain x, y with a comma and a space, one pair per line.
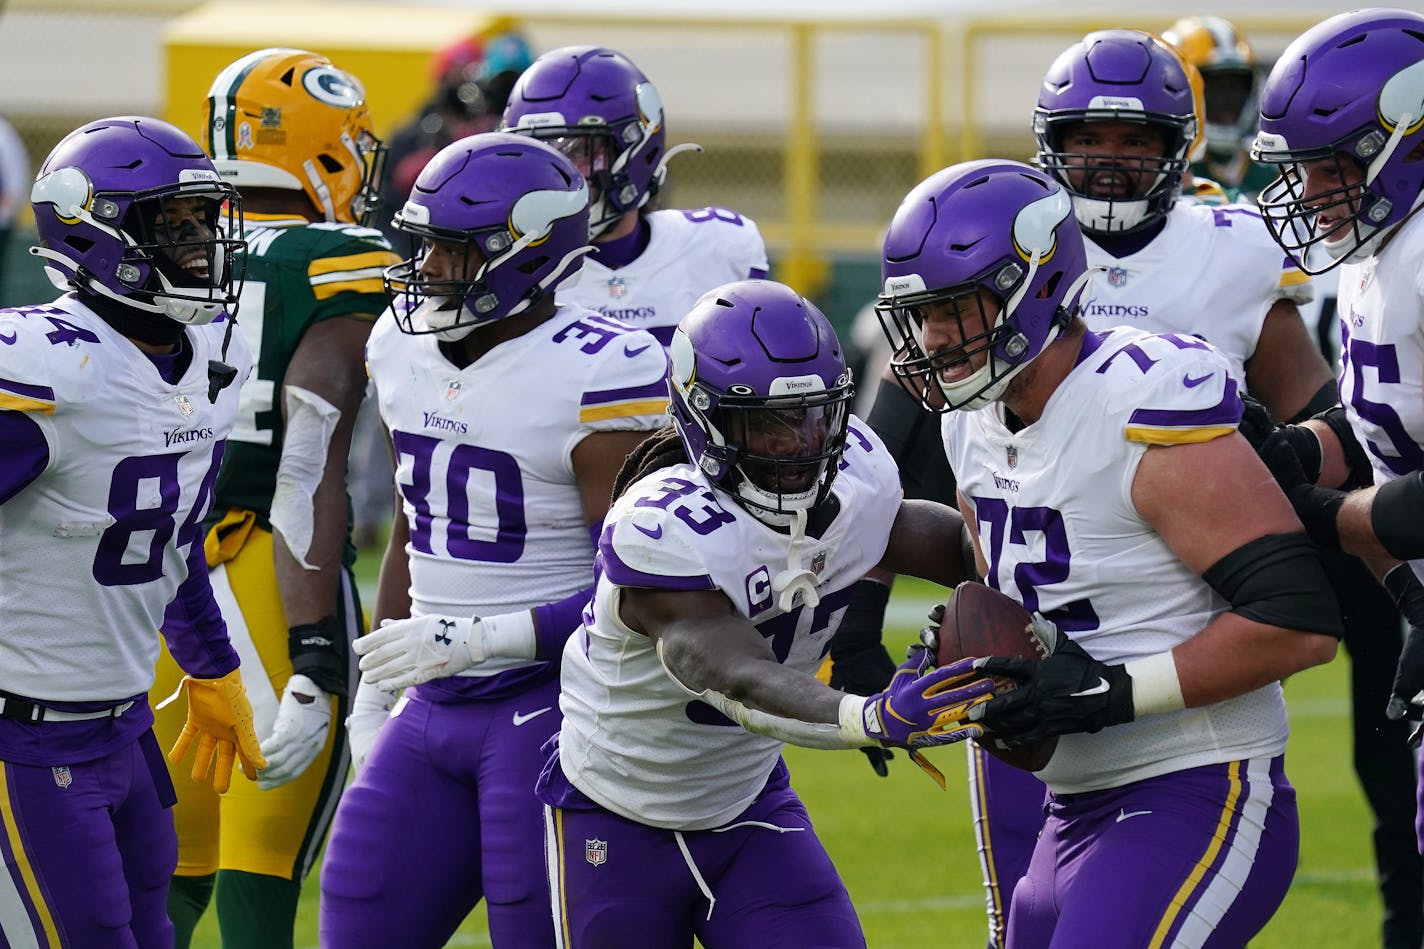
816, 117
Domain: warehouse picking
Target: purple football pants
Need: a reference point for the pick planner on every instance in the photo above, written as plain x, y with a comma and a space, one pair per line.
89, 849
442, 814
1007, 804
1197, 858
762, 879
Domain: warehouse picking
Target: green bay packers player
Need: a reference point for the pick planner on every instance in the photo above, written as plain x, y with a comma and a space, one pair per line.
293, 133
1231, 80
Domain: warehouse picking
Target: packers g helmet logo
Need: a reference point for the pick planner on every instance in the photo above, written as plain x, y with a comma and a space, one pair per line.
333, 86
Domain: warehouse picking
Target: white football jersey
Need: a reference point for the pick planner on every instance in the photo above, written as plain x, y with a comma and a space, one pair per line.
633, 739
1213, 272
1381, 307
93, 551
484, 455
1058, 528
688, 253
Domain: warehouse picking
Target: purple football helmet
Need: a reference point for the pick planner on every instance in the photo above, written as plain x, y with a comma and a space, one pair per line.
1121, 75
760, 395
991, 225
598, 108
130, 208
1348, 91
518, 212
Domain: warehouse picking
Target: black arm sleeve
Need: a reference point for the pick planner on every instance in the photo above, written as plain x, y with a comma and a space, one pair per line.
1278, 580
913, 437
1397, 516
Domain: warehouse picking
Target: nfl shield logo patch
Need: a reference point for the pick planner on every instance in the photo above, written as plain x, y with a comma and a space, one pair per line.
595, 851
184, 406
1117, 276
818, 563
1012, 454
617, 287
62, 777
452, 390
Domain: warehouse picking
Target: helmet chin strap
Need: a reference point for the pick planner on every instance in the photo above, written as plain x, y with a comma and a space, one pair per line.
795, 578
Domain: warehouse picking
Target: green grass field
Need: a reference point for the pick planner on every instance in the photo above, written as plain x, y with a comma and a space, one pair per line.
907, 852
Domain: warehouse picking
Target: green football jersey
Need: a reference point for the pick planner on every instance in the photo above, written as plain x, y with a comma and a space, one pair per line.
298, 274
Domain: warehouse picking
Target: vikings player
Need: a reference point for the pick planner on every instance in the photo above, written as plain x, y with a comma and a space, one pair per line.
648, 267
1117, 120
1179, 822
509, 416
1341, 118
115, 401
723, 570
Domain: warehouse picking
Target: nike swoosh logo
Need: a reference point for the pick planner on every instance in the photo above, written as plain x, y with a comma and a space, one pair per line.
654, 533
630, 351
1191, 383
9, 340
1098, 689
1124, 814
520, 719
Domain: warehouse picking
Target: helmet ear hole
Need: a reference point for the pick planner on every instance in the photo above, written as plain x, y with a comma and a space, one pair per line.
81, 244
331, 165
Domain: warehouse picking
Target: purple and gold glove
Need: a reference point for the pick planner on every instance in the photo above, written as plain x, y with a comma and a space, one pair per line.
923, 706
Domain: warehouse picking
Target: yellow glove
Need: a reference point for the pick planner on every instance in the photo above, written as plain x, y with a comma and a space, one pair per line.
220, 718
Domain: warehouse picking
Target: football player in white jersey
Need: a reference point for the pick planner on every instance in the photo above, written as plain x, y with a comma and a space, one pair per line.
115, 402
1073, 451
510, 416
723, 570
1117, 121
1344, 127
648, 267
1215, 272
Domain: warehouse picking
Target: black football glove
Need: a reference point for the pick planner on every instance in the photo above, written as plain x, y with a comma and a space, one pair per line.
1292, 454
1405, 698
1067, 693
860, 663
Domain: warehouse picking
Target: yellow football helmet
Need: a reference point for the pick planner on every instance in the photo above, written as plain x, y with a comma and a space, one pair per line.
289, 119
1230, 75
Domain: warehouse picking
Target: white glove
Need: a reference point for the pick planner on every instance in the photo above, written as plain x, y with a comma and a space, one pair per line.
406, 652
369, 711
299, 735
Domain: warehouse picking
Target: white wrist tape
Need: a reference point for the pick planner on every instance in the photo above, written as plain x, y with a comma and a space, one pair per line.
1155, 686
852, 723
507, 636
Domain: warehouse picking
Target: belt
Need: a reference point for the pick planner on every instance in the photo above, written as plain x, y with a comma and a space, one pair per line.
23, 710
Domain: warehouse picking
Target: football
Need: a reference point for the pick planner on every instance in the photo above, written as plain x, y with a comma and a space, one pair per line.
980, 621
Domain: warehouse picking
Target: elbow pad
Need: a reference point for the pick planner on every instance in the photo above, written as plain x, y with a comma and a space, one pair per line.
1278, 580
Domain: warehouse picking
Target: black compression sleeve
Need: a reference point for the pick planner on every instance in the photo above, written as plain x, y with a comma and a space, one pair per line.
912, 435
1397, 516
1278, 580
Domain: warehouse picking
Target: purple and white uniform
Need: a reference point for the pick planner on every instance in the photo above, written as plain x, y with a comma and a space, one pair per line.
1212, 272
1198, 794
106, 475
665, 818
688, 253
1381, 307
484, 467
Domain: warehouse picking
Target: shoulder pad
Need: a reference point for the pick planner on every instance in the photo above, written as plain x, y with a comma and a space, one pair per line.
1173, 389
655, 535
36, 342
